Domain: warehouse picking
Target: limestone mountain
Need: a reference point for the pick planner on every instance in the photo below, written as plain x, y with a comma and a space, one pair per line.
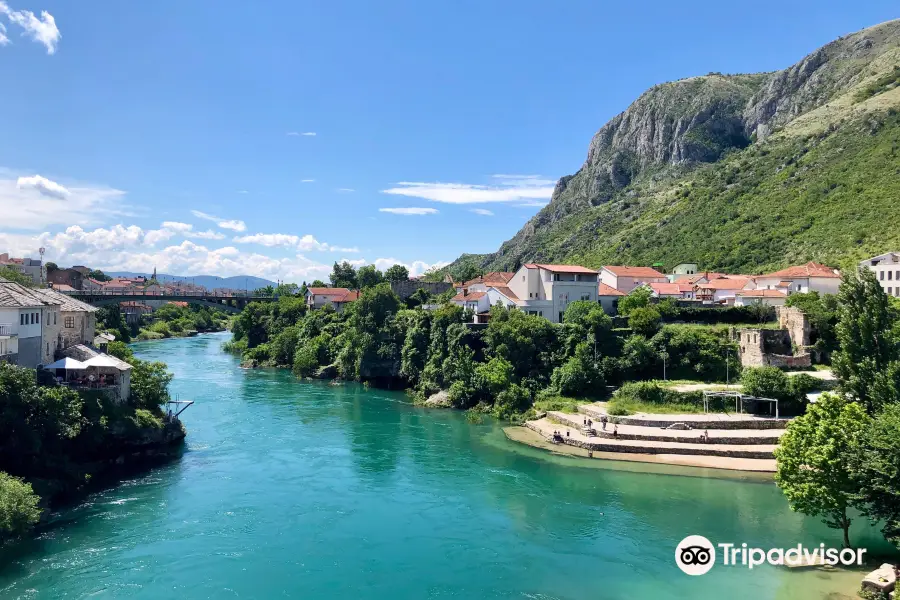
737, 172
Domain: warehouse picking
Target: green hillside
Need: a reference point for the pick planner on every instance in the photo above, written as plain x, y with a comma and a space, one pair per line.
737, 173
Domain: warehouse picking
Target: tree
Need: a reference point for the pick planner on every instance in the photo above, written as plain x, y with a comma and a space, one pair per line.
369, 276
876, 468
868, 361
580, 375
344, 275
638, 298
11, 274
822, 312
51, 266
120, 350
815, 456
419, 297
397, 273
93, 274
317, 283
766, 382
18, 506
644, 320
466, 272
149, 383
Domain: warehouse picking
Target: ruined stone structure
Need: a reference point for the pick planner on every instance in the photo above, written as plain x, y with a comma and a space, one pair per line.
405, 289
788, 347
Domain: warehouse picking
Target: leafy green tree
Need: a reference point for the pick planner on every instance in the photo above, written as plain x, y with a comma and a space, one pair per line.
495, 375
638, 360
528, 342
318, 283
815, 456
419, 297
868, 361
467, 272
397, 273
344, 275
253, 324
120, 350
110, 318
876, 468
93, 274
283, 346
513, 400
638, 298
644, 320
12, 275
822, 312
766, 382
697, 353
51, 266
149, 384
369, 276
581, 375
19, 509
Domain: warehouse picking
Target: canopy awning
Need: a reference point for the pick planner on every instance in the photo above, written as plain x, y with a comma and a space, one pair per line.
67, 363
103, 360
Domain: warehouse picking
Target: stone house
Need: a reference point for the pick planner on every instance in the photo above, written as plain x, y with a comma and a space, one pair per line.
547, 290
29, 323
77, 320
786, 347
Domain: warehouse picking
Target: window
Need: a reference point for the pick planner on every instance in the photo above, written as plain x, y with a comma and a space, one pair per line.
890, 291
556, 277
33, 319
22, 319
890, 275
70, 322
523, 278
48, 348
881, 275
585, 296
54, 318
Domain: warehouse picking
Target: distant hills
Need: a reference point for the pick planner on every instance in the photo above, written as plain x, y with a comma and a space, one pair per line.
238, 282
740, 173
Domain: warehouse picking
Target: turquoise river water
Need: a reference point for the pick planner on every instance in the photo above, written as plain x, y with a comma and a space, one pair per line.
291, 489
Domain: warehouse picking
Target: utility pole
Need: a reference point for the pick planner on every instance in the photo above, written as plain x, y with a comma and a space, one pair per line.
664, 355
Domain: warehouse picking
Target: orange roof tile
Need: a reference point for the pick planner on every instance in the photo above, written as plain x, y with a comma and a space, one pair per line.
621, 271
506, 292
607, 290
466, 297
326, 291
810, 269
670, 289
732, 282
349, 296
561, 268
761, 294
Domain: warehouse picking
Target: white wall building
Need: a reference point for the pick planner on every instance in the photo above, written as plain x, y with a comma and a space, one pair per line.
887, 271
764, 297
811, 277
29, 325
625, 279
546, 290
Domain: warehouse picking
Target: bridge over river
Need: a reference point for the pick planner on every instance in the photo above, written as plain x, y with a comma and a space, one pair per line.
232, 302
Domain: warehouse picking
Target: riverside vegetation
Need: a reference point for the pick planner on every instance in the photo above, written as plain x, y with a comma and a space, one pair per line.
55, 440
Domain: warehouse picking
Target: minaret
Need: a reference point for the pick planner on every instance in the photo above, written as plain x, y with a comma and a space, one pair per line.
154, 273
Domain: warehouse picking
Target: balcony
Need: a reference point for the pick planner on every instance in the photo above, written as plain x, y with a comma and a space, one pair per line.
7, 330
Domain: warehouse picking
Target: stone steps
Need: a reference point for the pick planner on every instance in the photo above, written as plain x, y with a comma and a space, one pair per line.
699, 421
740, 437
546, 427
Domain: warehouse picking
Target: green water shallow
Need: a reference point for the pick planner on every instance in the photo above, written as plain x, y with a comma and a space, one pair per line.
291, 489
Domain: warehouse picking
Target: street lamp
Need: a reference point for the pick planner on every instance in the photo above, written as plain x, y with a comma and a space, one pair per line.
664, 355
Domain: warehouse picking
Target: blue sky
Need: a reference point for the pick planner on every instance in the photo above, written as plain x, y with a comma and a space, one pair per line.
122, 116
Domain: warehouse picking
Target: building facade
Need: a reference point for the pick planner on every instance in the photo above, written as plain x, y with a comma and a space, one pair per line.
30, 325
547, 290
625, 279
887, 271
811, 277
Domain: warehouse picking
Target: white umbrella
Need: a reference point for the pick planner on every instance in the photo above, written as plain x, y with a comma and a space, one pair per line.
103, 360
67, 363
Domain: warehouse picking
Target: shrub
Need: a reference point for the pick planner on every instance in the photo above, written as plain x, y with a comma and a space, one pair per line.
650, 392
18, 505
512, 400
644, 320
145, 419
766, 382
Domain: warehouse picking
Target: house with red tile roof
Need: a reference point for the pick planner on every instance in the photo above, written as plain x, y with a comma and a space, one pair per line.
318, 297
676, 290
625, 279
546, 289
481, 284
722, 289
608, 297
811, 277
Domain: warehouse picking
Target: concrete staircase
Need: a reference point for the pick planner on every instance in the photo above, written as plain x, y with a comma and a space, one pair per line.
741, 442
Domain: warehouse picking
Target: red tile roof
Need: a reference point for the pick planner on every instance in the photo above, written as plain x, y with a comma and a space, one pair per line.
494, 277
467, 297
709, 275
731, 282
350, 296
810, 269
506, 292
620, 271
606, 290
761, 294
326, 291
561, 268
671, 289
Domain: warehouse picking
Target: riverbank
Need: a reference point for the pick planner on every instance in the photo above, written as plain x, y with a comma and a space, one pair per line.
529, 437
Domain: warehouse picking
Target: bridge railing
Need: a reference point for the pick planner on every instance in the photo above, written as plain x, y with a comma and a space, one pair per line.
158, 293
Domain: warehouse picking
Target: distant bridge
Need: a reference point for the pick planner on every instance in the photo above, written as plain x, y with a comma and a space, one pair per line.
232, 303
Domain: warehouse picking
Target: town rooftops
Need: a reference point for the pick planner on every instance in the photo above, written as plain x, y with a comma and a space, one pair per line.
561, 268
708, 275
13, 295
494, 277
606, 290
506, 292
466, 297
349, 296
731, 282
810, 269
620, 271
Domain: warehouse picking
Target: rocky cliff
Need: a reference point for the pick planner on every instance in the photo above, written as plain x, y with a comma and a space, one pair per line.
675, 130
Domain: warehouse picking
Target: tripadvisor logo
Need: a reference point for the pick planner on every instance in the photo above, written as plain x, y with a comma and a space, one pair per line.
696, 555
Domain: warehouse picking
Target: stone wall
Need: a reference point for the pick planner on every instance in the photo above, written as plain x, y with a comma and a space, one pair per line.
405, 289
796, 323
774, 347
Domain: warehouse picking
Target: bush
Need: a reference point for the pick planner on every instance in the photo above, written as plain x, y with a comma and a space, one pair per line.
644, 320
514, 399
144, 419
18, 505
235, 346
766, 382
650, 392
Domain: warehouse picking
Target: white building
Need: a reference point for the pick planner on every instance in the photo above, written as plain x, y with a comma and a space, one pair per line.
625, 279
546, 290
887, 271
29, 325
764, 297
609, 297
721, 290
811, 277
30, 267
317, 297
676, 291
77, 321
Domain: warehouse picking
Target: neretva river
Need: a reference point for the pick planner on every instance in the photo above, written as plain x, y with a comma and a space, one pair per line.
291, 489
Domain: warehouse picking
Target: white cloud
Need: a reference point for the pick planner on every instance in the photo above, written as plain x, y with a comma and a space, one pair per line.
3, 39
306, 243
43, 30
307, 181
482, 211
232, 224
508, 188
412, 210
171, 229
346, 190
43, 185
176, 226
535, 203
302, 134
34, 202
